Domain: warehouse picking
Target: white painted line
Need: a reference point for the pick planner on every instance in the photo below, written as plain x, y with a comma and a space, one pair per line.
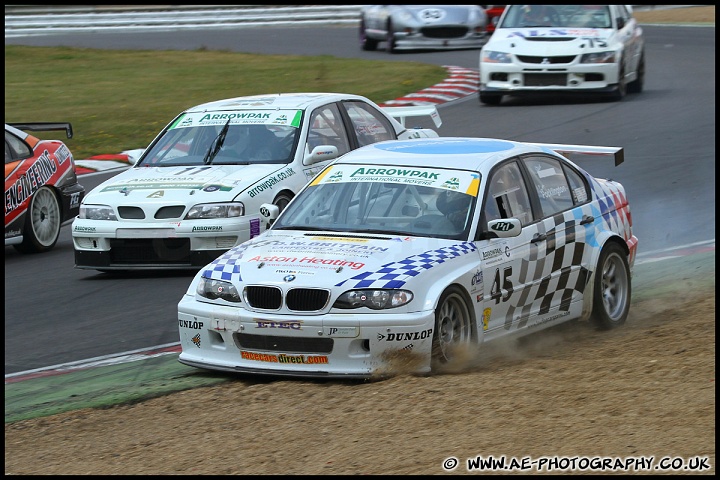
679, 247
104, 359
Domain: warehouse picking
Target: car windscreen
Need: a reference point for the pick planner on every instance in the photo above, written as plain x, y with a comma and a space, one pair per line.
225, 138
402, 201
565, 16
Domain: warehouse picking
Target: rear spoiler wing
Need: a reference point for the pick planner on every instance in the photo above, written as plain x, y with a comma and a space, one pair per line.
617, 152
45, 126
400, 113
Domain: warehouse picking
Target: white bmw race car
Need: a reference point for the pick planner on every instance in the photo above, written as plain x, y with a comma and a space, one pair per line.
536, 49
410, 255
196, 190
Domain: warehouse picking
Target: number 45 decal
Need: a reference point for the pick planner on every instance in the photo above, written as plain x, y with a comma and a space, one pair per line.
503, 292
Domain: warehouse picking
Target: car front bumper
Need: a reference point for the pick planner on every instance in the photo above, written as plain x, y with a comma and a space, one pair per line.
70, 197
418, 41
513, 78
348, 345
112, 245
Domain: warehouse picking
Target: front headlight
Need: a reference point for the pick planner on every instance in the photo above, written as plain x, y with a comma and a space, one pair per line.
599, 57
216, 210
489, 56
97, 212
473, 16
213, 289
375, 299
405, 16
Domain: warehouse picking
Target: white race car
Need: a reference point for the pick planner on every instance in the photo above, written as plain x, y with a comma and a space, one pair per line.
196, 190
411, 254
536, 49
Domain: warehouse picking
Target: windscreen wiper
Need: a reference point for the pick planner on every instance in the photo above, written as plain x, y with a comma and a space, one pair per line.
216, 145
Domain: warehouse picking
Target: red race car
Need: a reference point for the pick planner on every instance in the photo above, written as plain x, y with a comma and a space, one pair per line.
41, 187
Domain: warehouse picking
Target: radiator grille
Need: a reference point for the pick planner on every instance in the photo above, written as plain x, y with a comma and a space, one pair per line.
131, 213
545, 80
306, 299
267, 298
271, 343
546, 60
150, 250
174, 211
444, 32
297, 299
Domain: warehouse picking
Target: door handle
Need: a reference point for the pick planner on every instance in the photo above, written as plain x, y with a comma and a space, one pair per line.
539, 237
587, 219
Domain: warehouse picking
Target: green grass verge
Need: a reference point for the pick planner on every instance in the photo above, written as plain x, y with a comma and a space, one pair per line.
119, 100
102, 387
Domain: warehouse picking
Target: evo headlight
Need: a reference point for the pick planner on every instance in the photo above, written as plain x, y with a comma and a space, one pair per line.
490, 56
97, 212
374, 299
213, 289
216, 210
598, 57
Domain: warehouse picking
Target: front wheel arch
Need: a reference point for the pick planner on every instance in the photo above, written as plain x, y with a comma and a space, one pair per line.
454, 330
636, 86
283, 198
621, 88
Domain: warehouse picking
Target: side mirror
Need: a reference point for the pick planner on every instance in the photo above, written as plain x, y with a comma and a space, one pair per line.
620, 23
505, 227
134, 155
270, 212
321, 153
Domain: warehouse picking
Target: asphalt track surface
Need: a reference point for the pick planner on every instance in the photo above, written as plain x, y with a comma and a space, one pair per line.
57, 316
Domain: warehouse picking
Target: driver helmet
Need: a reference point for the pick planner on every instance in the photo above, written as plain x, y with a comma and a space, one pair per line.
534, 11
237, 133
452, 202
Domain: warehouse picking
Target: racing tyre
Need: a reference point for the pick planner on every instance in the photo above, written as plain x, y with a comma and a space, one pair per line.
453, 328
490, 98
390, 39
367, 44
636, 86
612, 288
621, 88
42, 222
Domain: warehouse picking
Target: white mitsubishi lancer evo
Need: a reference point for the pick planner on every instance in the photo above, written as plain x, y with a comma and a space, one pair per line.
196, 191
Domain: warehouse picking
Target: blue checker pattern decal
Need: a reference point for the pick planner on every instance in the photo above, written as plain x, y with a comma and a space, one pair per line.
395, 274
226, 267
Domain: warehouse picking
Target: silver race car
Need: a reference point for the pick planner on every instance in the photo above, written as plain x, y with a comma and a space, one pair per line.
420, 27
